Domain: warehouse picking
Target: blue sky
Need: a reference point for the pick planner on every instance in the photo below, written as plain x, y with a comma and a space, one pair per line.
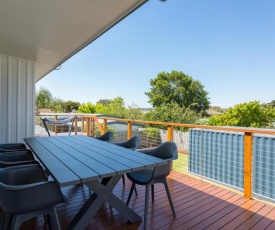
229, 46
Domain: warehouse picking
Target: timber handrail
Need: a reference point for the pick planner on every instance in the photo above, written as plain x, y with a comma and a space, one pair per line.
248, 136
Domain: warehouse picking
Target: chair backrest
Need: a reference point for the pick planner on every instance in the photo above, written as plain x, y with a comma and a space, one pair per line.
132, 143
64, 121
22, 196
12, 147
108, 136
22, 174
167, 151
15, 156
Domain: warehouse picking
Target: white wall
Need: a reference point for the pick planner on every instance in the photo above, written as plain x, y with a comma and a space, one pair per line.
17, 97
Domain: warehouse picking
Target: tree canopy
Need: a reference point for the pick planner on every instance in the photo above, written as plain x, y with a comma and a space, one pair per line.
43, 98
71, 106
251, 114
104, 101
114, 107
87, 108
173, 113
57, 105
272, 103
179, 88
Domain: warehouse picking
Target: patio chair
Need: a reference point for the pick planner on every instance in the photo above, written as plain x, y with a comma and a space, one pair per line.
133, 143
60, 122
26, 193
149, 177
108, 136
12, 147
14, 158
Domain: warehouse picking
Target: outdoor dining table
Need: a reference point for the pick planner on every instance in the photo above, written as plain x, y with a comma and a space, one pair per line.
73, 160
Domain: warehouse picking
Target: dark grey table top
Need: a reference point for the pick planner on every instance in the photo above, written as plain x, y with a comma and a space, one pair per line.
79, 159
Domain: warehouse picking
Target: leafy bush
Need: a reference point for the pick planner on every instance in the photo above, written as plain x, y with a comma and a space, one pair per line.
251, 114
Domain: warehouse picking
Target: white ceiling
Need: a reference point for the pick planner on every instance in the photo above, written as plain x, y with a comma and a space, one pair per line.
51, 31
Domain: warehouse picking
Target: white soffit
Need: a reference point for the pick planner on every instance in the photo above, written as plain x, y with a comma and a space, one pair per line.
51, 31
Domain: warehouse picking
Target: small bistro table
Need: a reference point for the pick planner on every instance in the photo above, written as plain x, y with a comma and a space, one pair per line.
72, 160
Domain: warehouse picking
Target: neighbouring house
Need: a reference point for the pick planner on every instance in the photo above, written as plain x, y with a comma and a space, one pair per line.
213, 112
45, 111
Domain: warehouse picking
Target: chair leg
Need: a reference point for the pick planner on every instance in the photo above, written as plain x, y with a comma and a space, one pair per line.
146, 205
130, 194
136, 191
54, 221
2, 221
16, 223
123, 179
5, 221
169, 197
152, 191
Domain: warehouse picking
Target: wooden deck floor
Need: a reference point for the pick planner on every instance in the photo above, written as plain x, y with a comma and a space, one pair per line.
198, 205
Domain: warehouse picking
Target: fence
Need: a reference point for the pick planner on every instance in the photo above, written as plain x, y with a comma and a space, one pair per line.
230, 155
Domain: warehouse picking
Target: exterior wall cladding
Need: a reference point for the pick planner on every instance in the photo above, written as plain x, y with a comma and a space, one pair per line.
219, 156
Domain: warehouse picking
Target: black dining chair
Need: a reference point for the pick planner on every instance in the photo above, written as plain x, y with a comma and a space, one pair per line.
60, 122
26, 193
149, 177
12, 147
108, 136
133, 143
13, 158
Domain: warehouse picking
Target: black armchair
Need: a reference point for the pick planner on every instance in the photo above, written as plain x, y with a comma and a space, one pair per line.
18, 157
12, 147
108, 136
26, 193
149, 177
132, 143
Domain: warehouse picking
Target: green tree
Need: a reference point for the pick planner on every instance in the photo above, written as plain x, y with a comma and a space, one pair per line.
133, 112
43, 98
173, 113
114, 108
250, 114
104, 101
272, 104
71, 106
177, 87
57, 105
87, 108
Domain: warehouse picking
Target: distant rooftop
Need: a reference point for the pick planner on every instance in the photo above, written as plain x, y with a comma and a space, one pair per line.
213, 112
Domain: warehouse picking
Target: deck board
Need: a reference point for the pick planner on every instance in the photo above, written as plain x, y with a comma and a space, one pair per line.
198, 205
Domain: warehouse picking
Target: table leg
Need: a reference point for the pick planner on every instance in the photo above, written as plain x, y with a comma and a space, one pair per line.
102, 192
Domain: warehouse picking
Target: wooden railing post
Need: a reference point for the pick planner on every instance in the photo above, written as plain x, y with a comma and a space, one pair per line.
75, 125
105, 125
87, 126
129, 130
97, 123
170, 130
82, 124
248, 165
93, 126
55, 127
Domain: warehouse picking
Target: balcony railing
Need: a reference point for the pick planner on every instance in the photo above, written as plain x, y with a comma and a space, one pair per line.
241, 158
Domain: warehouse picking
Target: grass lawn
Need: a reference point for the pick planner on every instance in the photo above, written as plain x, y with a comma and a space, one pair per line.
181, 164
